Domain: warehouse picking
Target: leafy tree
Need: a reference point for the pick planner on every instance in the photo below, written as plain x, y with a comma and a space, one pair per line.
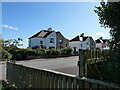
11, 45
7, 48
109, 16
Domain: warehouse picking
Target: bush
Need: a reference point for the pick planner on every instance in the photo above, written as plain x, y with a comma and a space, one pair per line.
66, 51
20, 54
40, 51
35, 47
5, 55
52, 52
32, 52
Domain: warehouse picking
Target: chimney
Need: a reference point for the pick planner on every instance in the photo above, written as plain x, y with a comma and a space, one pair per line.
49, 29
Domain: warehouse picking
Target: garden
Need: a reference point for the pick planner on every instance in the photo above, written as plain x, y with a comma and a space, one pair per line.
11, 51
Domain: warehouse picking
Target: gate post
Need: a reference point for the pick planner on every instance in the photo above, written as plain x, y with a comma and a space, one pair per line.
82, 63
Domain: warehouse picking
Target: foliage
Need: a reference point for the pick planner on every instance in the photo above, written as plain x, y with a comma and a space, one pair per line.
109, 16
100, 66
40, 51
11, 44
31, 52
66, 51
8, 47
35, 47
52, 52
19, 54
5, 55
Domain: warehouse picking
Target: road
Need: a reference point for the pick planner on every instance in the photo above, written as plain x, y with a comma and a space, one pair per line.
65, 65
2, 70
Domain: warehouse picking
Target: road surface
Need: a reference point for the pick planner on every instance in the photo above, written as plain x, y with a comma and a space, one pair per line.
2, 70
64, 64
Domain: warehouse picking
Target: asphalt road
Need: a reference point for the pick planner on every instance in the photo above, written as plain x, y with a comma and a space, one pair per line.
66, 65
2, 70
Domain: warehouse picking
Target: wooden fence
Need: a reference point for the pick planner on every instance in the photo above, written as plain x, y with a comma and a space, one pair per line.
28, 77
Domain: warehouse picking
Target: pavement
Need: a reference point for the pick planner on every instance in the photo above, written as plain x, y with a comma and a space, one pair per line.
2, 70
65, 64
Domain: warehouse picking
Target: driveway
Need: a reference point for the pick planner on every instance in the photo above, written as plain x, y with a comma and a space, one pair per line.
65, 65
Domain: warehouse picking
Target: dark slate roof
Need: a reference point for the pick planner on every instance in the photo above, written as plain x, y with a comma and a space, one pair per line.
104, 40
98, 41
101, 40
84, 38
41, 34
77, 38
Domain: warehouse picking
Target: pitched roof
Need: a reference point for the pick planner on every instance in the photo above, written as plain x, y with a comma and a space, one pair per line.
79, 38
101, 40
42, 34
75, 38
62, 35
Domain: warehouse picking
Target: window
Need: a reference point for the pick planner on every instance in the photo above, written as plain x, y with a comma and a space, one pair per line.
66, 44
81, 45
60, 41
51, 40
41, 42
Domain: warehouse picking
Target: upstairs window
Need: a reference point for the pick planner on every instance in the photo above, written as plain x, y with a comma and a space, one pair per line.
51, 40
41, 42
81, 45
60, 41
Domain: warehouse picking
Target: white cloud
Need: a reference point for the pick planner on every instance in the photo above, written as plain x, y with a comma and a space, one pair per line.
10, 27
100, 34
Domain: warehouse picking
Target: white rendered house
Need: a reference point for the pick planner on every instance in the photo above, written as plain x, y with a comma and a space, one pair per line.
48, 39
82, 42
102, 44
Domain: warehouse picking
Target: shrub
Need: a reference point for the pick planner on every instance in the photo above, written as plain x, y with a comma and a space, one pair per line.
20, 54
35, 47
52, 52
5, 55
66, 51
48, 52
40, 51
32, 52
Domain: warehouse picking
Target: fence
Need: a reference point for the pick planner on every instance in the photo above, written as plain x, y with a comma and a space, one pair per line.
28, 77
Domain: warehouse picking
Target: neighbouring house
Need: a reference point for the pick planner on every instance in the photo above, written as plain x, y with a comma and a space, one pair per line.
102, 44
82, 42
48, 39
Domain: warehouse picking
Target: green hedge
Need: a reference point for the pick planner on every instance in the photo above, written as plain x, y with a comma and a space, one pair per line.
106, 68
52, 52
66, 51
23, 53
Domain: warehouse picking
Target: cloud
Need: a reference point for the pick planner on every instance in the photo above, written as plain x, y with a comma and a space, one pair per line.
100, 34
10, 27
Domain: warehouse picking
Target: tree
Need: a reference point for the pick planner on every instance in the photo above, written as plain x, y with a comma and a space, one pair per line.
7, 47
109, 16
11, 45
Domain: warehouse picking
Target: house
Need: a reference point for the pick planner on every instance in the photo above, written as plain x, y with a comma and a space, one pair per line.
82, 42
48, 39
102, 44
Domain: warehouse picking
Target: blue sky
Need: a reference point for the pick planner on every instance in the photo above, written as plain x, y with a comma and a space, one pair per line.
23, 19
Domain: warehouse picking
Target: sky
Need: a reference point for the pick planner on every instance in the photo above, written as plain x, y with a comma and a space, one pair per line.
24, 19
